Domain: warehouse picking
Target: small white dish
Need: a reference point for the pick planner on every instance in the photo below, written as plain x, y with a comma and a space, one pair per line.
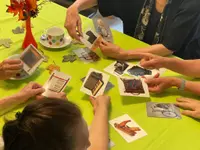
22, 75
67, 41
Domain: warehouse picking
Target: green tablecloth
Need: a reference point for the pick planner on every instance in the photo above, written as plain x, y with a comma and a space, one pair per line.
165, 134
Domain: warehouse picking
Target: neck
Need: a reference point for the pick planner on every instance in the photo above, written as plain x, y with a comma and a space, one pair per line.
160, 5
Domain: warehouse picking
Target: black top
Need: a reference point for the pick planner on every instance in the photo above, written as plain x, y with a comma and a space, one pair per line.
182, 29
152, 26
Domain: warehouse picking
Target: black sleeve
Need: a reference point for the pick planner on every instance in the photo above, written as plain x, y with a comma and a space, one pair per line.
105, 7
181, 28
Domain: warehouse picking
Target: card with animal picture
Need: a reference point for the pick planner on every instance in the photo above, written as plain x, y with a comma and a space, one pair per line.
86, 55
56, 83
132, 86
117, 68
127, 128
102, 27
137, 70
162, 110
109, 85
31, 58
91, 39
95, 83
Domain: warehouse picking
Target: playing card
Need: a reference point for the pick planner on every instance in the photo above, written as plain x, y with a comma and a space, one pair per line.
117, 68
162, 110
91, 39
127, 128
137, 70
102, 27
56, 83
95, 83
31, 58
86, 55
133, 86
108, 86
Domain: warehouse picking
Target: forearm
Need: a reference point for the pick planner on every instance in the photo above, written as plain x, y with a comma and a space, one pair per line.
186, 67
157, 49
84, 4
190, 86
8, 103
99, 137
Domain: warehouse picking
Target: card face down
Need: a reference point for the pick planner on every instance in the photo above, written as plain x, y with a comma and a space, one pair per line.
91, 39
130, 86
162, 110
31, 59
56, 83
127, 128
95, 83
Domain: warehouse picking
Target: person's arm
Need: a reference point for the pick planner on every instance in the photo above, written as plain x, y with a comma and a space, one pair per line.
157, 49
30, 90
84, 4
99, 137
190, 86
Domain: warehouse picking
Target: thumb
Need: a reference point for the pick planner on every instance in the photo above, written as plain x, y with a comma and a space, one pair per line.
38, 91
152, 81
147, 63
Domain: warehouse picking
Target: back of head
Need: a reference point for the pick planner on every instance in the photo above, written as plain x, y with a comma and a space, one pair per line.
43, 125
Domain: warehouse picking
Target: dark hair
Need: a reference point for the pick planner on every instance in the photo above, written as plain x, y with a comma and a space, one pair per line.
43, 125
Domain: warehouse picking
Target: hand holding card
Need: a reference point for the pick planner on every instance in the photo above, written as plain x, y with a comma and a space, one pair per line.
56, 83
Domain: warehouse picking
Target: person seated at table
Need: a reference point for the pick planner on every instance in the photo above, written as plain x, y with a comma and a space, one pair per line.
170, 26
29, 91
9, 68
191, 106
185, 67
54, 124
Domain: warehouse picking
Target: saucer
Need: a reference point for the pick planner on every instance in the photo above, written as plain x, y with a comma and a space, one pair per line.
22, 75
44, 42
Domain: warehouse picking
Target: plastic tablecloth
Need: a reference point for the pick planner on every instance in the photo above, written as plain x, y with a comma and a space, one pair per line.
163, 134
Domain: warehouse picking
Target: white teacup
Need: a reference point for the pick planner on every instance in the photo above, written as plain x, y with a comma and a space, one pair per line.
55, 36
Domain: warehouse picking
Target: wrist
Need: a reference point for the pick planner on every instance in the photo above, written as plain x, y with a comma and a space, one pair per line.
176, 82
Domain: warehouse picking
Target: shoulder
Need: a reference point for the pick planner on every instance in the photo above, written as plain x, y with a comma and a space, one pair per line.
190, 6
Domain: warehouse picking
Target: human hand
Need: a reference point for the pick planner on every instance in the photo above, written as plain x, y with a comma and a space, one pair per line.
191, 106
60, 95
110, 50
73, 22
100, 101
158, 85
30, 90
152, 61
9, 68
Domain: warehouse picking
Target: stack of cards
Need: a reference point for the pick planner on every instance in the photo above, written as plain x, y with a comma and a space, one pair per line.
56, 83
127, 128
130, 86
31, 58
95, 83
86, 55
91, 39
163, 110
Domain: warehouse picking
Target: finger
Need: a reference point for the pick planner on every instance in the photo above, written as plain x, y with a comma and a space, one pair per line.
63, 95
184, 105
38, 91
40, 97
157, 75
36, 85
12, 61
148, 64
13, 67
11, 73
79, 25
92, 100
183, 99
154, 89
153, 81
188, 113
